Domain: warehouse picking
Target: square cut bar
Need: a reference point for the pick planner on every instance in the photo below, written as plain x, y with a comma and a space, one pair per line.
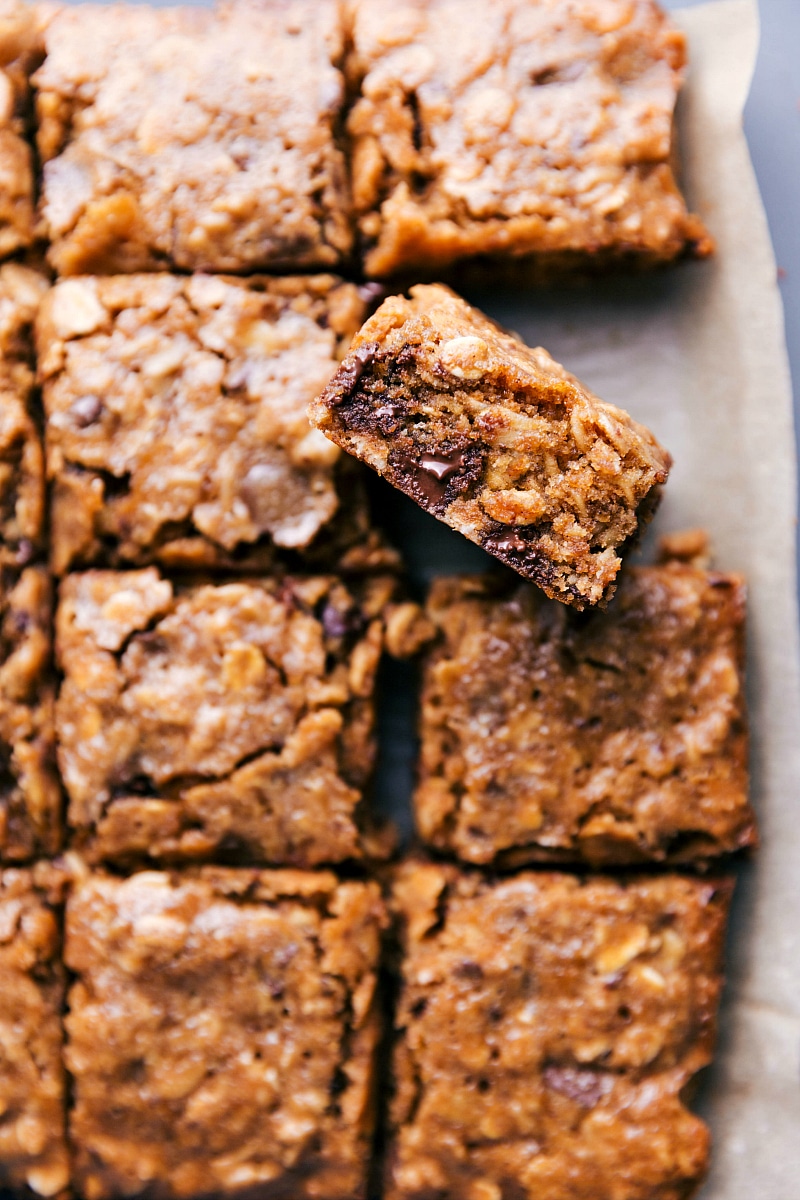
219, 722
546, 1030
176, 422
617, 738
30, 793
526, 132
497, 440
22, 502
222, 1032
33, 1149
204, 140
20, 53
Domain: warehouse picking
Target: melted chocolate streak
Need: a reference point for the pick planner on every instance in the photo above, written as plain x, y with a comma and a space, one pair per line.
350, 372
509, 543
432, 471
435, 478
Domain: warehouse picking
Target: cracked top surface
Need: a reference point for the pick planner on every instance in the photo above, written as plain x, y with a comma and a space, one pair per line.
176, 416
33, 1152
546, 1028
222, 1030
507, 129
617, 738
21, 460
230, 720
20, 52
30, 794
497, 440
194, 138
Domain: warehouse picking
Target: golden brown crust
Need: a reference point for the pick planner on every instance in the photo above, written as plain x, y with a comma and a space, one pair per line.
30, 794
33, 1151
198, 139
515, 132
219, 722
497, 440
176, 421
222, 1033
616, 739
546, 1028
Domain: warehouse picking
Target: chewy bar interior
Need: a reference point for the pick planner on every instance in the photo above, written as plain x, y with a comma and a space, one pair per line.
537, 133
30, 793
226, 722
222, 1034
33, 1151
176, 421
20, 53
617, 738
22, 486
546, 1031
496, 440
203, 140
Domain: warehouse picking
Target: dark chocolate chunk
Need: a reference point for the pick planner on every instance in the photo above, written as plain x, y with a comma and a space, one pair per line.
508, 543
585, 1087
85, 411
351, 371
25, 551
469, 970
434, 479
339, 622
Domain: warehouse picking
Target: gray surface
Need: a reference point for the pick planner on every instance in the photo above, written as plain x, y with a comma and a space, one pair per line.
772, 124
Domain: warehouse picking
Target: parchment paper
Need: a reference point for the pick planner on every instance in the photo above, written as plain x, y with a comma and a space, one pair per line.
698, 354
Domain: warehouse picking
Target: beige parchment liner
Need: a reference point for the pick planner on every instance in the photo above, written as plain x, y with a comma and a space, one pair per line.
698, 353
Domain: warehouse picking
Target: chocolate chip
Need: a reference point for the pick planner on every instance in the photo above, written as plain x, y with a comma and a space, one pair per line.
442, 466
22, 622
586, 1088
387, 418
339, 622
85, 410
468, 970
507, 543
351, 371
429, 475
24, 552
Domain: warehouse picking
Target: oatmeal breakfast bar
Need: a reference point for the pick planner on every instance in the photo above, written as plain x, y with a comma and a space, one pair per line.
177, 430
222, 1034
30, 794
22, 501
546, 1033
497, 440
20, 53
529, 132
617, 738
204, 140
228, 722
33, 1151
